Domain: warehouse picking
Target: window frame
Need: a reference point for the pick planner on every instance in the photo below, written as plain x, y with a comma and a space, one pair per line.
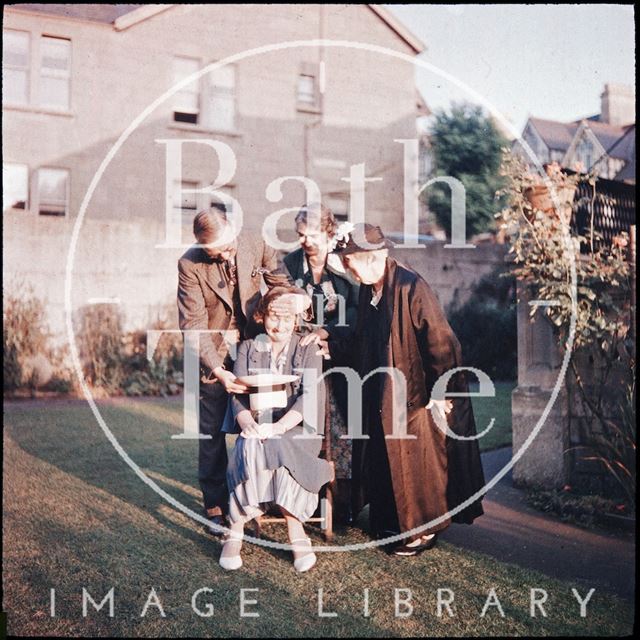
197, 90
27, 70
27, 189
55, 74
311, 70
212, 91
67, 192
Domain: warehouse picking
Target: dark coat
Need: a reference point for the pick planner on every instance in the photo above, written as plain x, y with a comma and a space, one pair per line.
294, 262
432, 473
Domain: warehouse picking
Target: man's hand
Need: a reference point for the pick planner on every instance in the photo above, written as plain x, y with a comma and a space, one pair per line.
440, 409
290, 304
315, 336
229, 381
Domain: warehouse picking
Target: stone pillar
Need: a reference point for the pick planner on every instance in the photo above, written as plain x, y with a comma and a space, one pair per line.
539, 360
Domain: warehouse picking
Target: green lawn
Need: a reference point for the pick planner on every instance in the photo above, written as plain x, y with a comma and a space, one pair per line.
76, 516
499, 407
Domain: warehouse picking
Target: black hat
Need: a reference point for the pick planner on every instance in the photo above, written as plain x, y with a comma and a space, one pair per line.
364, 237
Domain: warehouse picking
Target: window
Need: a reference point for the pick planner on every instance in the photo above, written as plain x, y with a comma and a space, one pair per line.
222, 203
215, 108
307, 92
55, 72
306, 89
15, 191
584, 153
185, 205
186, 107
15, 66
53, 192
220, 103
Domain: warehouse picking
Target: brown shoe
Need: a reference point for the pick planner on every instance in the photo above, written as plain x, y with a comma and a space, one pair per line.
217, 525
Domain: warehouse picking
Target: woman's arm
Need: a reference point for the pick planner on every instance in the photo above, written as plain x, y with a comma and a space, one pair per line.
289, 420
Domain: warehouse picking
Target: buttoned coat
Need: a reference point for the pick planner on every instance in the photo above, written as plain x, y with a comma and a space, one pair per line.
298, 454
433, 472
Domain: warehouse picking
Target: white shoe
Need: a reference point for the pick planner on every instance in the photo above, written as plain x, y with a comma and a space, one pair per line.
231, 563
305, 562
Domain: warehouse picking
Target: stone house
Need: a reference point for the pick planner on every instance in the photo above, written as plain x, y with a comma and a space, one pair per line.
76, 76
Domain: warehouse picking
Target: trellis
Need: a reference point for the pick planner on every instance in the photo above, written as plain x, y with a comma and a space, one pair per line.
613, 206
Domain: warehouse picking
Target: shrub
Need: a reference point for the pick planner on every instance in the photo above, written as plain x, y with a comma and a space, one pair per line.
550, 257
160, 376
100, 344
581, 509
116, 362
486, 327
26, 351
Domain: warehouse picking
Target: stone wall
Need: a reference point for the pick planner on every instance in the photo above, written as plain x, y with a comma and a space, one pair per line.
555, 455
119, 261
452, 272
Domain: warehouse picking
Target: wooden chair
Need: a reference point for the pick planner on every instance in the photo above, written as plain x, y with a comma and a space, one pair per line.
324, 513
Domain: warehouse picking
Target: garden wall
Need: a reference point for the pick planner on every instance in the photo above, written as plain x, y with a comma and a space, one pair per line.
119, 262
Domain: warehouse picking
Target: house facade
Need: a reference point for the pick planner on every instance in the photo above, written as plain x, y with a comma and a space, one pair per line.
76, 76
605, 142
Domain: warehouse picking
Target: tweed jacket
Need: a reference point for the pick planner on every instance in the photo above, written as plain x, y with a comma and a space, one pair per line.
204, 301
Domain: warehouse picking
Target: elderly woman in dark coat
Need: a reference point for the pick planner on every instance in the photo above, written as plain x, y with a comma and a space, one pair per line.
270, 466
401, 326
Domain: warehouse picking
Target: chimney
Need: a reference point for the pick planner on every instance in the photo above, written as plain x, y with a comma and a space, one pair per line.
618, 104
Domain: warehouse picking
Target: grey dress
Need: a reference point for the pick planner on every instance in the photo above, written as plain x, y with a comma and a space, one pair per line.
284, 471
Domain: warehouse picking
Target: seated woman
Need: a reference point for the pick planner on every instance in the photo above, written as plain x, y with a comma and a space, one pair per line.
269, 466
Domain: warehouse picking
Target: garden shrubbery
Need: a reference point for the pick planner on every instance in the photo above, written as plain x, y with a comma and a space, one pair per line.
29, 360
486, 327
115, 362
582, 509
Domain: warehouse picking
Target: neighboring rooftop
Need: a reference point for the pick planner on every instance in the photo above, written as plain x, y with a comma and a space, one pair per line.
625, 148
110, 13
104, 13
608, 135
556, 135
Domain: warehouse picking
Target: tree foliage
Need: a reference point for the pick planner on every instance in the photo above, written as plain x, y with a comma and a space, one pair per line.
466, 145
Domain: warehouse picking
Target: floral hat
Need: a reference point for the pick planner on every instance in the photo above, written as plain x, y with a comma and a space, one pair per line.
359, 237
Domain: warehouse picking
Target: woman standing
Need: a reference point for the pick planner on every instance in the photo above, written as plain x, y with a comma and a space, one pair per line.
334, 310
